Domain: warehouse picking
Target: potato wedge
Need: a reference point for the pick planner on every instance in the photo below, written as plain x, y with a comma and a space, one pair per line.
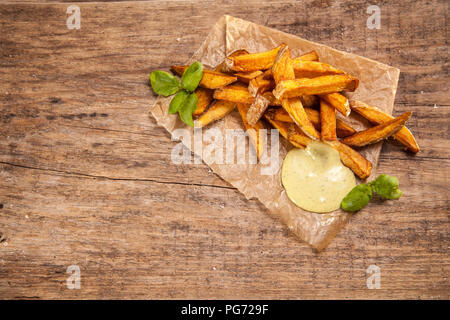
246, 77
217, 111
260, 85
294, 107
327, 121
352, 159
377, 133
312, 69
222, 68
310, 56
257, 109
205, 97
338, 101
342, 129
282, 67
211, 79
376, 116
236, 93
319, 85
288, 131
252, 130
252, 61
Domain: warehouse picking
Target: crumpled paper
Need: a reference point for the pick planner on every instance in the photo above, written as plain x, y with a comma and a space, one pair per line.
378, 85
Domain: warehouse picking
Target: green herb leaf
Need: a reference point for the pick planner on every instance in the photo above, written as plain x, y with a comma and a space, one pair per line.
164, 83
188, 107
357, 198
386, 186
178, 101
192, 76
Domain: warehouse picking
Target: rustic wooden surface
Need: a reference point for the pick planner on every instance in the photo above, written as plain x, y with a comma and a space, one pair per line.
86, 177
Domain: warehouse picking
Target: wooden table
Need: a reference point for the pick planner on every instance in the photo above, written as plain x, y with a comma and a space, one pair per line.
86, 177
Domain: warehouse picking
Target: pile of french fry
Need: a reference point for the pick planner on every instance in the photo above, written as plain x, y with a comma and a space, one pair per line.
299, 97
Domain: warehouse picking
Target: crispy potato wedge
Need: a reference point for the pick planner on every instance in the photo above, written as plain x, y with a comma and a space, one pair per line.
257, 109
352, 159
342, 129
222, 68
312, 69
310, 56
217, 111
377, 133
376, 116
252, 61
327, 121
294, 107
288, 131
205, 97
319, 85
236, 93
211, 79
246, 77
338, 101
282, 67
260, 85
252, 130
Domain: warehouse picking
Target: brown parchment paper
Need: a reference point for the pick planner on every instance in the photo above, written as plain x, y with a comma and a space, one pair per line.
378, 85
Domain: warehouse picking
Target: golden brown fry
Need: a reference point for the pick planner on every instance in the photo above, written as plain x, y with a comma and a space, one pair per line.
257, 109
204, 100
319, 85
339, 102
260, 85
252, 61
246, 77
376, 116
288, 131
252, 130
236, 93
282, 67
211, 79
377, 133
217, 111
342, 129
309, 101
352, 159
310, 56
294, 107
312, 69
327, 121
222, 68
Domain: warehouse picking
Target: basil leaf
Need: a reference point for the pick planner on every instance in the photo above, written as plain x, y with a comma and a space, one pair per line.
387, 187
164, 83
357, 198
192, 76
178, 101
188, 107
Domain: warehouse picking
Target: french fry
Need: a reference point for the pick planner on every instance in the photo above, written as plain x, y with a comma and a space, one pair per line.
327, 121
311, 69
294, 107
309, 101
319, 85
282, 67
310, 56
211, 79
252, 61
252, 130
352, 159
377, 133
342, 129
257, 109
217, 111
339, 102
261, 84
376, 116
246, 77
288, 131
222, 68
204, 100
236, 93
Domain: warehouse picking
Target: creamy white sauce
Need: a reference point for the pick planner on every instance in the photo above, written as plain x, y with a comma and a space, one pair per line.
315, 178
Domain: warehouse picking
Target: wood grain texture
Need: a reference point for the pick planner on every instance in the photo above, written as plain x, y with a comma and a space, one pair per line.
86, 176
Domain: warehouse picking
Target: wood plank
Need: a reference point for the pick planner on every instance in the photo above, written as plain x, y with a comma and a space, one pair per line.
86, 176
